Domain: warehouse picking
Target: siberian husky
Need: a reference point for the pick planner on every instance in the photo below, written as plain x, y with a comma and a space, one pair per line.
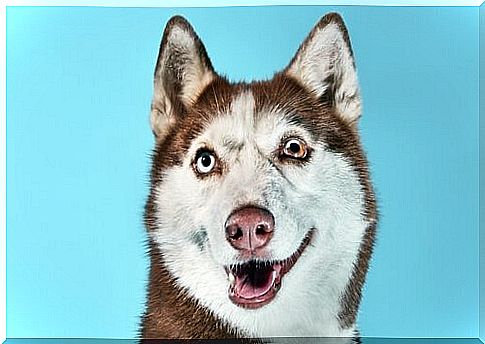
261, 215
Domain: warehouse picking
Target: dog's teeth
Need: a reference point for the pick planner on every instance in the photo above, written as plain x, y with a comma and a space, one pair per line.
231, 277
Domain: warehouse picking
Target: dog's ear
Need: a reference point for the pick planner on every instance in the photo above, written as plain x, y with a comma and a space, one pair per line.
183, 70
324, 64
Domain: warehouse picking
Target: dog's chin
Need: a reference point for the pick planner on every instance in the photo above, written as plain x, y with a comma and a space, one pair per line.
255, 283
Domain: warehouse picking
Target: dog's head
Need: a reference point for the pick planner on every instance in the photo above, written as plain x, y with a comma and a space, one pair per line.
260, 200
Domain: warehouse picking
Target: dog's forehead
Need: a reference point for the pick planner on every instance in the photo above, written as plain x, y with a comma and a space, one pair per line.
239, 121
243, 123
239, 112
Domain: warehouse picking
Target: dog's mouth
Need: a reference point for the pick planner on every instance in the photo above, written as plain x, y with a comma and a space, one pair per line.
255, 283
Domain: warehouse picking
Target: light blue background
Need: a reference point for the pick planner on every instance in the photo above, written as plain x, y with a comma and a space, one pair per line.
482, 174
79, 84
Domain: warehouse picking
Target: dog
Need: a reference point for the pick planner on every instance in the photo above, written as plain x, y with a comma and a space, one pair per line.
261, 215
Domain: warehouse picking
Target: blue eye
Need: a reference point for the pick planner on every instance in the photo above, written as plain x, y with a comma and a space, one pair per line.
205, 162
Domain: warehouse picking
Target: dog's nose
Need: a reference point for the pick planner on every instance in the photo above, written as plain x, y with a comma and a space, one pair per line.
249, 228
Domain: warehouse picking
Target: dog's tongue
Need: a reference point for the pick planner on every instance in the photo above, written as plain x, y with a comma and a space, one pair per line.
255, 283
250, 289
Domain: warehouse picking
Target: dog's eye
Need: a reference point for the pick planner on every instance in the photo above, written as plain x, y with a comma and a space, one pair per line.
205, 162
295, 148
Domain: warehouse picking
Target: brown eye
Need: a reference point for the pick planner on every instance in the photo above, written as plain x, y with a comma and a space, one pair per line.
295, 148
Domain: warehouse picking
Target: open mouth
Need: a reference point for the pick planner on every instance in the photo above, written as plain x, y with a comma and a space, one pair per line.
255, 283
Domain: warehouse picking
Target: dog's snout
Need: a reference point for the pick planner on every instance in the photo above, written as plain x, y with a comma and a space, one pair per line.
249, 228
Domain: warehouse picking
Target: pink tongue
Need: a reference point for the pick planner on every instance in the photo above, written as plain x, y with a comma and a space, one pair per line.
248, 290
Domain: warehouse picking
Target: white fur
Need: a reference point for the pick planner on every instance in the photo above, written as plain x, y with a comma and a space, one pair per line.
324, 194
324, 55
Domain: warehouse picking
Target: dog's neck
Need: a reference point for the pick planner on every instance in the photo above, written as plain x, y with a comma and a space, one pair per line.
171, 313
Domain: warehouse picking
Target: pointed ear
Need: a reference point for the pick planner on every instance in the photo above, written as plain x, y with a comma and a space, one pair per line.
324, 64
183, 70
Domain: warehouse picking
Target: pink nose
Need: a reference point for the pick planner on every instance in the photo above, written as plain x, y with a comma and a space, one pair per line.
249, 228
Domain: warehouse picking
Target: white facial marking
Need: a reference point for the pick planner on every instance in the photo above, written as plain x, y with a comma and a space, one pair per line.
324, 194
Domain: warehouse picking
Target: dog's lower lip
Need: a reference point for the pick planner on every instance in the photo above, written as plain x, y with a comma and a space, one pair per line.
254, 284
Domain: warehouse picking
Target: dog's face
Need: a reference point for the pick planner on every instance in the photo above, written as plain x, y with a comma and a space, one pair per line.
260, 198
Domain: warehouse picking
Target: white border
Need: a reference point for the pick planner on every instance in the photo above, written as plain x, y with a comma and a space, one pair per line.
3, 175
140, 3
232, 3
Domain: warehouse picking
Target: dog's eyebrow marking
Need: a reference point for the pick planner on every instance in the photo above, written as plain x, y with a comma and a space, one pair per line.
232, 144
199, 238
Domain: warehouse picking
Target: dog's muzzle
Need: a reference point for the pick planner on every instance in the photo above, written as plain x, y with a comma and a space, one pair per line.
255, 281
